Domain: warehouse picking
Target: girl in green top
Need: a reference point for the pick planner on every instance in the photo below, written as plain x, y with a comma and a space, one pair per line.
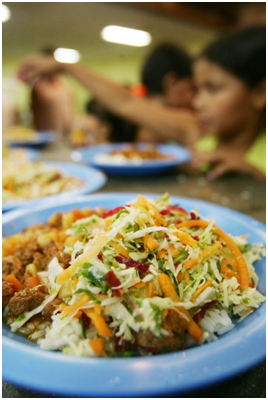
230, 103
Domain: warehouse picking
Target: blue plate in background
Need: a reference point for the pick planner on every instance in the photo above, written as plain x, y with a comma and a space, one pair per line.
42, 138
53, 372
180, 155
93, 179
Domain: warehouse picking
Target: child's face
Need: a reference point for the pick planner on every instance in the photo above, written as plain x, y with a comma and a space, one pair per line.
223, 102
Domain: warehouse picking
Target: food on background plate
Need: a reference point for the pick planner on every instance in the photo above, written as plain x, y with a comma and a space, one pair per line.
132, 155
23, 179
144, 278
18, 133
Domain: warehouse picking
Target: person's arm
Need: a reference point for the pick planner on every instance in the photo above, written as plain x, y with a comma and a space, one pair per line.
222, 161
180, 125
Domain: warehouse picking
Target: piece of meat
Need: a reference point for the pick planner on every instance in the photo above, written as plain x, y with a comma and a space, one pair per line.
26, 300
7, 292
25, 252
175, 341
41, 260
12, 265
51, 307
56, 221
52, 250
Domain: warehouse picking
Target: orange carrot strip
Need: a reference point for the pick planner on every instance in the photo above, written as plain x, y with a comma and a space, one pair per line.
209, 250
97, 345
17, 286
78, 314
227, 271
201, 289
161, 253
75, 282
230, 260
150, 242
192, 262
187, 278
138, 285
120, 249
77, 214
180, 277
79, 303
241, 264
169, 291
185, 239
150, 289
99, 322
174, 252
32, 281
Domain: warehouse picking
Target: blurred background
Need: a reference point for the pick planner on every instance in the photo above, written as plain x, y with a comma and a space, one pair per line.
28, 27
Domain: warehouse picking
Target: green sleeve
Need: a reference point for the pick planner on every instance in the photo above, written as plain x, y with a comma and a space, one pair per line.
256, 156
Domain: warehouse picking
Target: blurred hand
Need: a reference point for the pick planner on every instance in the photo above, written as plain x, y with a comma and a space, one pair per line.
223, 161
36, 66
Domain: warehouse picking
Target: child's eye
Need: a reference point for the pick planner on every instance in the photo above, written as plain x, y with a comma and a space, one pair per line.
212, 88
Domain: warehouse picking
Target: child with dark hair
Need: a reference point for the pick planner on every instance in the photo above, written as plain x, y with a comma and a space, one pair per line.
118, 129
230, 102
167, 72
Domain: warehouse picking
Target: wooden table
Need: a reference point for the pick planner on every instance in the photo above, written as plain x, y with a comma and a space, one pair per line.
244, 194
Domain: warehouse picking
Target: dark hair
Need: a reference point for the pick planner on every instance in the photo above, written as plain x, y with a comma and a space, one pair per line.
242, 53
165, 58
121, 129
47, 50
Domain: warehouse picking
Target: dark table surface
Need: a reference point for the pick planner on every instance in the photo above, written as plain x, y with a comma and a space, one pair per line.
241, 193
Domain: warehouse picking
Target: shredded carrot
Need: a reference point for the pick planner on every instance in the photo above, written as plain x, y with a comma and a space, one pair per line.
78, 314
192, 262
187, 278
97, 345
138, 285
241, 264
79, 303
32, 281
192, 222
161, 253
169, 291
93, 251
120, 249
75, 282
174, 252
77, 214
227, 271
150, 290
201, 289
17, 286
142, 202
99, 322
230, 260
97, 308
209, 250
150, 242
180, 277
185, 239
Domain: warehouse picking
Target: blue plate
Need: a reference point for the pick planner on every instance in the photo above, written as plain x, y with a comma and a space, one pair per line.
42, 138
93, 179
26, 365
180, 155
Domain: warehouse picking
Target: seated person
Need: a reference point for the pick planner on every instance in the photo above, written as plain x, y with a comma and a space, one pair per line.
230, 103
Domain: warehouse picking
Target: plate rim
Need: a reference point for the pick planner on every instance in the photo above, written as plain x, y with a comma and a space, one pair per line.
225, 341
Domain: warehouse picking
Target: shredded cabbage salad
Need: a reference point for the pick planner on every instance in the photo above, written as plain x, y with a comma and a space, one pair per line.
145, 278
23, 179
